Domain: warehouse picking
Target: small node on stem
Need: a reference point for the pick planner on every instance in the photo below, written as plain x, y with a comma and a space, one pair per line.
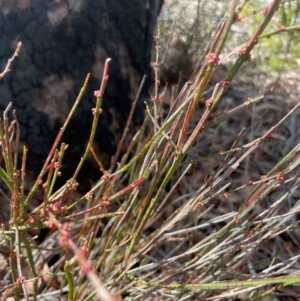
14, 198
248, 101
104, 201
31, 219
20, 280
94, 111
225, 83
178, 149
82, 252
17, 172
53, 208
86, 267
226, 195
106, 176
50, 224
89, 195
212, 59
64, 208
65, 227
281, 27
97, 93
197, 205
209, 103
39, 181
116, 298
153, 98
236, 17
273, 187
280, 177
64, 235
267, 8
57, 165
243, 50
248, 104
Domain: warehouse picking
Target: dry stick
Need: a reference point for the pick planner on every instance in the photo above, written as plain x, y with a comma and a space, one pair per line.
16, 53
210, 49
134, 184
251, 201
215, 49
160, 209
234, 145
71, 217
245, 52
4, 174
56, 172
18, 253
234, 70
96, 111
142, 208
99, 163
120, 165
226, 159
7, 151
23, 171
235, 111
163, 161
180, 98
112, 224
132, 144
287, 280
129, 187
206, 73
197, 39
7, 178
260, 225
49, 176
57, 140
155, 124
86, 266
129, 120
165, 54
31, 259
282, 29
17, 140
254, 39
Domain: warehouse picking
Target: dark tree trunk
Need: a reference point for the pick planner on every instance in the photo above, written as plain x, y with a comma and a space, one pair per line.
62, 42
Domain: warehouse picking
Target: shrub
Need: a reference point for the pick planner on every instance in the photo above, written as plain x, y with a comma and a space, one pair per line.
173, 219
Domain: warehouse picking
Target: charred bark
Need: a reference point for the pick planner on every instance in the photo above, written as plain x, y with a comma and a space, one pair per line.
62, 42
